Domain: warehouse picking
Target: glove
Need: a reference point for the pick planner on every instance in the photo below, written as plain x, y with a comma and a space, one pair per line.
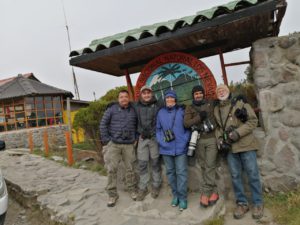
203, 115
234, 136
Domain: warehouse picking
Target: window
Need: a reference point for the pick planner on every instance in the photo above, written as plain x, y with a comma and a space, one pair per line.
30, 112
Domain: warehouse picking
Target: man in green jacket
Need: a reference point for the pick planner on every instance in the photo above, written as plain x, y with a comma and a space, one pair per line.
199, 116
236, 121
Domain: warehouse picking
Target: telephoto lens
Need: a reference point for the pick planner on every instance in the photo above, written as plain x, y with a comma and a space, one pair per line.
193, 143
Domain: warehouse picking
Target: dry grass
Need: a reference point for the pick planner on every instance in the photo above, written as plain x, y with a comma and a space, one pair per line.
285, 207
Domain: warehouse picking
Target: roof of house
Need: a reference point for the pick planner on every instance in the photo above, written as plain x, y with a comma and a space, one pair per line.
227, 27
26, 75
25, 86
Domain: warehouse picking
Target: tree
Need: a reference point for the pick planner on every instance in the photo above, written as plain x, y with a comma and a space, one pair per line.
89, 118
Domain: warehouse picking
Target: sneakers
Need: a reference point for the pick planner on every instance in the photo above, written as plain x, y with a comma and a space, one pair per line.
155, 192
204, 201
240, 211
182, 205
133, 195
142, 194
257, 212
214, 197
112, 200
175, 202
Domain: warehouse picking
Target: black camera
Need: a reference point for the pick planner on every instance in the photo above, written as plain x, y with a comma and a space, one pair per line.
169, 135
125, 134
207, 126
226, 144
146, 133
241, 114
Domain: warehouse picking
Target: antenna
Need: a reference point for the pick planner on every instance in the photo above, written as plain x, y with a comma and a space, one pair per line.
69, 42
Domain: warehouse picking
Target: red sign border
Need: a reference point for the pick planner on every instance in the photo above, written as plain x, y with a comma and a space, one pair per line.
202, 70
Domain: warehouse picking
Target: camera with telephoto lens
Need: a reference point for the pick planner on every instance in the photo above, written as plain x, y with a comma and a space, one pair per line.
207, 126
193, 141
125, 134
169, 135
241, 114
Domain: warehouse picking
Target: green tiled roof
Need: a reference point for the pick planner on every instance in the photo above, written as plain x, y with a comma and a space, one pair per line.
160, 28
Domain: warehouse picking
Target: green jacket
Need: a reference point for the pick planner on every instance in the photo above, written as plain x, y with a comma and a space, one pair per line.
247, 141
192, 117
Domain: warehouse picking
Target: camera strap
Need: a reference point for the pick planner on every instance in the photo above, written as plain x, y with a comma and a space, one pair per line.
223, 125
173, 122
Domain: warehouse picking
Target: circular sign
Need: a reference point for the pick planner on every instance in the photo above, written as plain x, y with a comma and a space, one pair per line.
177, 71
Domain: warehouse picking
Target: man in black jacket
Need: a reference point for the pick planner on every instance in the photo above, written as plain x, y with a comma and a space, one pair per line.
118, 135
146, 109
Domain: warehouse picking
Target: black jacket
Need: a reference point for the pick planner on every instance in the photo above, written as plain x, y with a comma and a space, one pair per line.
119, 125
146, 114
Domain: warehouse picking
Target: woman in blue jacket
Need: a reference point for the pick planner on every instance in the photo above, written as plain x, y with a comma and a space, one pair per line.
173, 140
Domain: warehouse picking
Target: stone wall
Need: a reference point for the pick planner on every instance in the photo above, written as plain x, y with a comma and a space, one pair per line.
276, 72
19, 138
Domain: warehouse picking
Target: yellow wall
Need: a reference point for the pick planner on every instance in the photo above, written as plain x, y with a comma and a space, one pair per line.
77, 136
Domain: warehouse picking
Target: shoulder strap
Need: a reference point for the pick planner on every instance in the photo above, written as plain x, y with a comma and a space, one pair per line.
223, 125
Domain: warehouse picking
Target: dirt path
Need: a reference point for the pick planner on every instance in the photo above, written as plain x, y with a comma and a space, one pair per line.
17, 215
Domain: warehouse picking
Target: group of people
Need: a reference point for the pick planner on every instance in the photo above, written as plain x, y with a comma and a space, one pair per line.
148, 129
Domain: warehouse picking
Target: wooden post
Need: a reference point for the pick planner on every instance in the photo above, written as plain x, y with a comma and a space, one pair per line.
30, 140
46, 145
69, 115
129, 85
69, 148
224, 75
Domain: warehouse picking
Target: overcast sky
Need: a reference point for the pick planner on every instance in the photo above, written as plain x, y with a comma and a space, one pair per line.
33, 36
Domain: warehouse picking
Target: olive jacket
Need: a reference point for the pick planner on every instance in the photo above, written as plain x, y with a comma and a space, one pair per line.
247, 141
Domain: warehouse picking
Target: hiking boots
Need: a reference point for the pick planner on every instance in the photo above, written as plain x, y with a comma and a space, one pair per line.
240, 211
257, 212
155, 192
142, 194
182, 205
204, 201
112, 200
175, 202
214, 197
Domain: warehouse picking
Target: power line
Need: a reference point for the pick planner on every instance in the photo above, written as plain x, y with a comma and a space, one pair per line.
76, 90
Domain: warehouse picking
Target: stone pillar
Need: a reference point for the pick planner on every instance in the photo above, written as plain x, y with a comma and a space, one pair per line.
276, 72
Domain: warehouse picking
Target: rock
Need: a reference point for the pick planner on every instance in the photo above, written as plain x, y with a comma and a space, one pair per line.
270, 101
286, 42
260, 59
57, 158
283, 134
290, 118
281, 183
271, 148
285, 160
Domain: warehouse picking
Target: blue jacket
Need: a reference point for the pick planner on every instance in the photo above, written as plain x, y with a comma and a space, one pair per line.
165, 118
119, 125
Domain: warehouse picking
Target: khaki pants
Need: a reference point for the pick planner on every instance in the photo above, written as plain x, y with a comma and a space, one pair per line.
113, 154
206, 154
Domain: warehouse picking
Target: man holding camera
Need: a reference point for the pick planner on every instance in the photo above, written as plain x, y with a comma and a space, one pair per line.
236, 120
199, 117
118, 135
146, 109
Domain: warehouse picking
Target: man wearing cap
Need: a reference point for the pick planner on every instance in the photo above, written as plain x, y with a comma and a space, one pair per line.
200, 116
147, 151
173, 138
236, 121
